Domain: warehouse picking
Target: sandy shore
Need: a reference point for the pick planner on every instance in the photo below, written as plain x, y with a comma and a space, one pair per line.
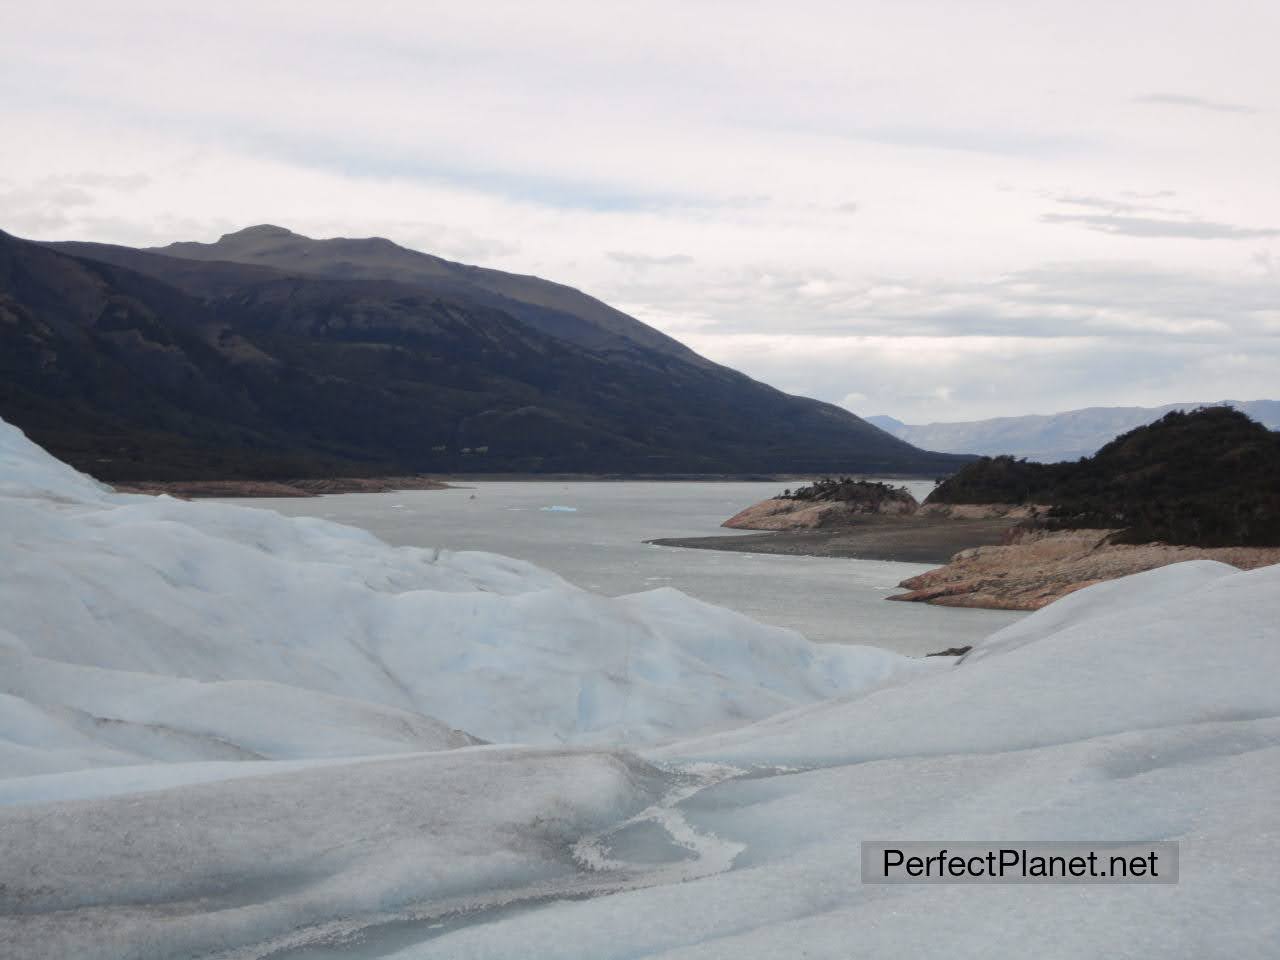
911, 539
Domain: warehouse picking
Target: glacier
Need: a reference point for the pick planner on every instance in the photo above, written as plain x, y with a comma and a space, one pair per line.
141, 628
224, 733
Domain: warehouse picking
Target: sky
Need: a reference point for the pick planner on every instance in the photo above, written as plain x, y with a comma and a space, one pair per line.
933, 210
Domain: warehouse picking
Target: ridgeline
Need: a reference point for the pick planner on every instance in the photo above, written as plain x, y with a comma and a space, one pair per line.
1208, 478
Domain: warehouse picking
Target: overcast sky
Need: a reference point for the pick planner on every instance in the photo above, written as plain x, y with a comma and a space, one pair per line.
934, 210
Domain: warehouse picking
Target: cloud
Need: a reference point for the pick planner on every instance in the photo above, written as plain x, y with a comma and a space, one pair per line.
1090, 201
924, 379
127, 182
1196, 103
709, 185
1151, 227
1007, 141
642, 260
1055, 302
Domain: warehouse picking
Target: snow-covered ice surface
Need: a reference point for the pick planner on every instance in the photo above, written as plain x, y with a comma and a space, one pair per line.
142, 628
154, 653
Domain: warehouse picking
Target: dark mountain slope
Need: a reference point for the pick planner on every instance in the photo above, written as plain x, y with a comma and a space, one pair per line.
1206, 478
192, 369
129, 378
553, 308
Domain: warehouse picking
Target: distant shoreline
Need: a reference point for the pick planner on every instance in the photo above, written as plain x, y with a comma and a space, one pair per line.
327, 486
912, 539
663, 477
285, 489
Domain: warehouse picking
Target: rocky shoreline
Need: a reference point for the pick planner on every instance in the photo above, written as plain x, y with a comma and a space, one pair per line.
1037, 567
312, 487
905, 539
990, 555
782, 513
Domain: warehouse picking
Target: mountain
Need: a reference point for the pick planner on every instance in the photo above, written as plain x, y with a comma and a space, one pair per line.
1205, 478
1060, 436
557, 310
886, 423
135, 364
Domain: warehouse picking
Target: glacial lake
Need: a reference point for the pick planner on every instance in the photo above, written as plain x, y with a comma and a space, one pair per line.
596, 540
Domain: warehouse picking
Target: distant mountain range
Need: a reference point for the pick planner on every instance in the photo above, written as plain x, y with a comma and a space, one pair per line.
1055, 437
269, 354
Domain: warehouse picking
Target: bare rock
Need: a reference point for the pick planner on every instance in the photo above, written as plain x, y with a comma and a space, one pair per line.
1040, 566
983, 511
783, 514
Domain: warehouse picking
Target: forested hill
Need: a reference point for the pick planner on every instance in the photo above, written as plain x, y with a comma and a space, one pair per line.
137, 365
1210, 477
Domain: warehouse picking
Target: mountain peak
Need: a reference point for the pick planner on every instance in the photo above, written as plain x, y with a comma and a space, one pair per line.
258, 232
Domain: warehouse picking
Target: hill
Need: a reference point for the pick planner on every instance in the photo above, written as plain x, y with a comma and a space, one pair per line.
136, 365
1205, 478
553, 308
1059, 436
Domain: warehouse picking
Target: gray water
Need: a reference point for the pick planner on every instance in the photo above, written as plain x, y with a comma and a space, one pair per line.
599, 545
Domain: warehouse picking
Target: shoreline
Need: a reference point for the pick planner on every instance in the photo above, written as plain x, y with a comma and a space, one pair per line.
909, 539
327, 486
283, 489
1040, 567
746, 477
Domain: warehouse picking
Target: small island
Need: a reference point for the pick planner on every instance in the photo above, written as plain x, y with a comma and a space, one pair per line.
825, 503
855, 519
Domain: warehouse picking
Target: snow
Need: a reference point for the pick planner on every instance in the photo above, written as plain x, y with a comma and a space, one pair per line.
142, 628
723, 777
1191, 643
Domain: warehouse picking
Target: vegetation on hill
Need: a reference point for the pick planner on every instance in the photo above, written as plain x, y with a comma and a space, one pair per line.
846, 489
1208, 478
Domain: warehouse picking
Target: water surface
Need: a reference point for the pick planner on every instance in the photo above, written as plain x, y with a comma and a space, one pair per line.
597, 541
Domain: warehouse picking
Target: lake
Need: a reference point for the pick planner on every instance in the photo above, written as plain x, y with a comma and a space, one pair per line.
595, 539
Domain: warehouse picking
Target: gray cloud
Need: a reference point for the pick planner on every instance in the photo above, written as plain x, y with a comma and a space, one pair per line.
939, 380
995, 141
1196, 103
1049, 302
738, 150
1090, 201
1131, 226
1034, 340
645, 260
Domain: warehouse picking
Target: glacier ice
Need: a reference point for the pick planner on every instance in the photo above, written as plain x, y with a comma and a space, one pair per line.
226, 734
143, 628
